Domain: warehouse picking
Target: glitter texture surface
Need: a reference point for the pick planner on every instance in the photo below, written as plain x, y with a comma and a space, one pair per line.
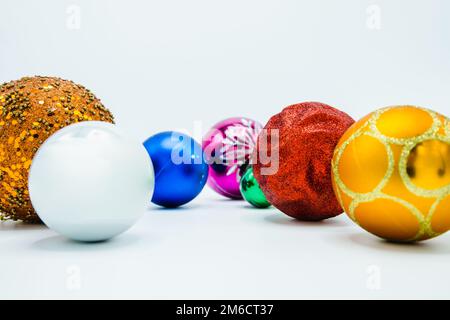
32, 109
302, 186
390, 173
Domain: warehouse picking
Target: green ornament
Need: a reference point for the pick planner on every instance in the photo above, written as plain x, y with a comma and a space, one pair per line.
251, 191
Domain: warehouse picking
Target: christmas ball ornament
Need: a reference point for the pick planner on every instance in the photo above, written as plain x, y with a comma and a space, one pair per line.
180, 170
32, 109
251, 191
391, 173
228, 146
89, 182
300, 141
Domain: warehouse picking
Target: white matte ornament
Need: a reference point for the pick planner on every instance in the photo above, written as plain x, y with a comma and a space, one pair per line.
89, 182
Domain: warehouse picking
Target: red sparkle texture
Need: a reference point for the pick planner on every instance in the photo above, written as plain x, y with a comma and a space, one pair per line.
308, 134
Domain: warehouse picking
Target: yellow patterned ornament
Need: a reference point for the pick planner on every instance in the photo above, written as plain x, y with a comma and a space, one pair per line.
391, 173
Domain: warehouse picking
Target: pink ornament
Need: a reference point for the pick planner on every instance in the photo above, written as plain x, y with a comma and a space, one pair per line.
227, 147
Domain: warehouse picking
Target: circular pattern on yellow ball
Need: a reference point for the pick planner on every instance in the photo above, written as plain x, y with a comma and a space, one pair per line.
427, 163
372, 156
387, 219
440, 221
390, 173
404, 122
32, 109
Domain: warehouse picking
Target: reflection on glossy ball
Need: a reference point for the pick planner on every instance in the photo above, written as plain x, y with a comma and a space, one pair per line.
428, 165
228, 146
89, 182
251, 191
391, 173
180, 169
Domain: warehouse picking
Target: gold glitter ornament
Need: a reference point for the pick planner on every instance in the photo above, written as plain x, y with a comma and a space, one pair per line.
391, 173
32, 109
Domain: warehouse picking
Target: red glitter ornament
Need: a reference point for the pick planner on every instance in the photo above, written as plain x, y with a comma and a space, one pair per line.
308, 134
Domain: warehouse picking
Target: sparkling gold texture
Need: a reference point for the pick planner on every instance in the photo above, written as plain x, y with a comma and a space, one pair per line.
391, 173
31, 109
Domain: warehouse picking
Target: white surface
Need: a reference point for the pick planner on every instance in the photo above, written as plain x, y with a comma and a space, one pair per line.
90, 182
179, 65
175, 64
216, 248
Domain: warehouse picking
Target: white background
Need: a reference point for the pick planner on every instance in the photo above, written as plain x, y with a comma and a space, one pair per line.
161, 65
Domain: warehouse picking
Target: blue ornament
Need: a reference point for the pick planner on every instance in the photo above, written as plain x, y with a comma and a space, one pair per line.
180, 169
